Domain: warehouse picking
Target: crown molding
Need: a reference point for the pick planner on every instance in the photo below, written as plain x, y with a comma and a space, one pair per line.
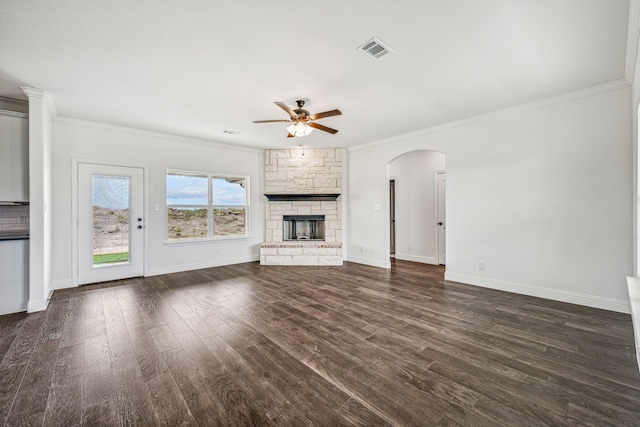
18, 114
153, 134
33, 92
633, 36
20, 102
43, 95
519, 109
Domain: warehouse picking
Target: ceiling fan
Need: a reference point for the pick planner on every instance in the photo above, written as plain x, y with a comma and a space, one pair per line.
302, 120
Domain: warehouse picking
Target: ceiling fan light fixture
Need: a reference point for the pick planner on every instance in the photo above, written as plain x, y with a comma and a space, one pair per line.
303, 122
299, 129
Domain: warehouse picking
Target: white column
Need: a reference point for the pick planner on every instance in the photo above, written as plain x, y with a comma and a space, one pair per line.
42, 112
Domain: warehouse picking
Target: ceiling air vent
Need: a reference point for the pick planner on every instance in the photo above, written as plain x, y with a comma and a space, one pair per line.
375, 48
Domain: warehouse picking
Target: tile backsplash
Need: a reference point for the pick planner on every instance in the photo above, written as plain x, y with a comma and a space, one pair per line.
14, 218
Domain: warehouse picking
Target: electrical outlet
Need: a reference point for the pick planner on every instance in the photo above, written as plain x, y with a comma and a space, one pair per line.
410, 247
482, 265
361, 248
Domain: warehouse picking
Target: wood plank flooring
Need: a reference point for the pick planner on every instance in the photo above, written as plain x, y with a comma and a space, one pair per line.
326, 346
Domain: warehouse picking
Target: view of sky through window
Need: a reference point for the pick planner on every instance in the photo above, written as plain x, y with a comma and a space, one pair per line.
193, 190
187, 190
228, 192
110, 192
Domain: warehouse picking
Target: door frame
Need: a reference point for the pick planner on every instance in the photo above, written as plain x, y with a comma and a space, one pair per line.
75, 250
436, 199
392, 227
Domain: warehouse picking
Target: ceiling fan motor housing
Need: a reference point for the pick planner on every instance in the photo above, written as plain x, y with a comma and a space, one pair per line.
303, 115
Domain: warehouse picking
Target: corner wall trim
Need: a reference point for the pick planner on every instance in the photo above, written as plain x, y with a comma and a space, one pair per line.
38, 304
587, 300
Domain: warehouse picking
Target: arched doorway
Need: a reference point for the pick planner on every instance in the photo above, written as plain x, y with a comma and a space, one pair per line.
417, 223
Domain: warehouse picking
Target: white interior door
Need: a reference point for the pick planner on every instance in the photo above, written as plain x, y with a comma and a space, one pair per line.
110, 223
441, 219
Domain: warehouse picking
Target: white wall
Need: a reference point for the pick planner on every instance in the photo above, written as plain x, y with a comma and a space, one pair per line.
93, 142
632, 73
416, 228
541, 193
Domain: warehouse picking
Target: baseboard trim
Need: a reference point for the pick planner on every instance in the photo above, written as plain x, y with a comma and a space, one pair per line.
417, 258
633, 287
200, 265
370, 261
56, 285
66, 284
39, 304
587, 300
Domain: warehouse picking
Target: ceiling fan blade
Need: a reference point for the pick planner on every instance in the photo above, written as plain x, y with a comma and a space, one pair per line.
270, 121
286, 108
326, 114
324, 128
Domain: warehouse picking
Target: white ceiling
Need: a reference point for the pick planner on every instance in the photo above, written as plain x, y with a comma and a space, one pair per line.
199, 67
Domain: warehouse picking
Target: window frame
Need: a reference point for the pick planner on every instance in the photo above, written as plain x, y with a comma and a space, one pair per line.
210, 206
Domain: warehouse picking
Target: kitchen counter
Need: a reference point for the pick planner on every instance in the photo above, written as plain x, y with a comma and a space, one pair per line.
14, 235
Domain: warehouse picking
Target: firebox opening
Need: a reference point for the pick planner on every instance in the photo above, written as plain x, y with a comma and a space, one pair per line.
303, 227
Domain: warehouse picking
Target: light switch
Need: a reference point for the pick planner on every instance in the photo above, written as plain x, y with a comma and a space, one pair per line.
376, 207
157, 208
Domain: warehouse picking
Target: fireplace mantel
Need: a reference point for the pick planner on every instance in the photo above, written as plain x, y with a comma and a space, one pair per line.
302, 197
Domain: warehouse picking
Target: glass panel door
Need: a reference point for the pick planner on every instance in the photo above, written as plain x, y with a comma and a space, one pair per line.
111, 219
110, 223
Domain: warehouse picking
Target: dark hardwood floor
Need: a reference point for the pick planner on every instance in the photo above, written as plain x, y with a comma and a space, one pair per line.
328, 346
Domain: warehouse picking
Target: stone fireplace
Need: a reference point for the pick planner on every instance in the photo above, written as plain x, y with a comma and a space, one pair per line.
303, 214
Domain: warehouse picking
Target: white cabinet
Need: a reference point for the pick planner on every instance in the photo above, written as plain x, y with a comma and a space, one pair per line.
14, 276
14, 157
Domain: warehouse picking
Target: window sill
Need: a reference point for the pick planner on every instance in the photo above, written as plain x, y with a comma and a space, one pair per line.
203, 240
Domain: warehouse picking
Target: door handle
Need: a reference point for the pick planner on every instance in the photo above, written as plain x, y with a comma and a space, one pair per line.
440, 223
139, 227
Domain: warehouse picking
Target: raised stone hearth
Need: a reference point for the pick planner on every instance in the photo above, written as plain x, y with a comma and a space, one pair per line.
301, 253
301, 174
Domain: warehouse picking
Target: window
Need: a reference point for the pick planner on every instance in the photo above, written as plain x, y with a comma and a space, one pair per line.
203, 205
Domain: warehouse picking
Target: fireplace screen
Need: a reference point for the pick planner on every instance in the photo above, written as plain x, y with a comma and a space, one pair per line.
303, 227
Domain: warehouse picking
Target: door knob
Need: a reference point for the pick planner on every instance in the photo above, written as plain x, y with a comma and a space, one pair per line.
139, 219
440, 223
139, 227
